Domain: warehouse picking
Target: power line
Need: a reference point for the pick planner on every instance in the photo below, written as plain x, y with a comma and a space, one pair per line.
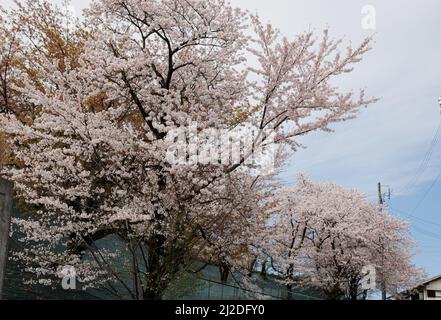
419, 229
423, 166
429, 222
426, 193
428, 233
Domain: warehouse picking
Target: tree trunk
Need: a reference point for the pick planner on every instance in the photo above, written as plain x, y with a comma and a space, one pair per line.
251, 267
263, 270
156, 283
353, 294
383, 290
365, 293
224, 273
289, 295
353, 289
334, 293
152, 294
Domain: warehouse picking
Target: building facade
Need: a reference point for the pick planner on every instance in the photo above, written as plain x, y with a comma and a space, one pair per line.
428, 290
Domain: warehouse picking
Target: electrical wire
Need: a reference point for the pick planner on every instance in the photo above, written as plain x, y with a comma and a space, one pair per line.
428, 222
427, 232
419, 229
423, 166
426, 193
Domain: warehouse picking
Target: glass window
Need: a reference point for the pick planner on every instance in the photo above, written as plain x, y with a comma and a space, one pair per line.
434, 293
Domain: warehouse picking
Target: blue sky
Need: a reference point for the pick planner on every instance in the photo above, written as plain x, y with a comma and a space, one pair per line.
388, 141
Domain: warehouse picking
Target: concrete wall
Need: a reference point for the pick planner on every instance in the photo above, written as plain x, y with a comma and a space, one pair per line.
5, 216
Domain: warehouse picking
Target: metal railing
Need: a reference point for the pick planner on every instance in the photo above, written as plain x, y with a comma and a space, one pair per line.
215, 290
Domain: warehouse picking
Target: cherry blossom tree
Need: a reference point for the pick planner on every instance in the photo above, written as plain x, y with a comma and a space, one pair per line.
30, 34
232, 234
93, 161
325, 236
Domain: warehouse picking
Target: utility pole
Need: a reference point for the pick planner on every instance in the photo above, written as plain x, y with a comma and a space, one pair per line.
5, 218
381, 203
380, 197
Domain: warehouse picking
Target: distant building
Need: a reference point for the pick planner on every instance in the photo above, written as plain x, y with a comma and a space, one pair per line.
428, 290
